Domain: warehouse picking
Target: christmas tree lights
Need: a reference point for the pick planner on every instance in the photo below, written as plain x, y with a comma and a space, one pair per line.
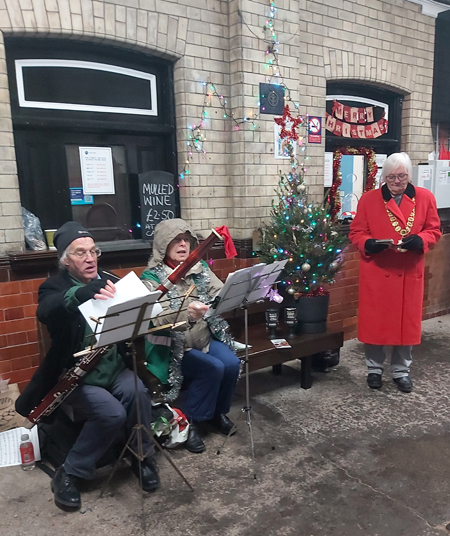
306, 234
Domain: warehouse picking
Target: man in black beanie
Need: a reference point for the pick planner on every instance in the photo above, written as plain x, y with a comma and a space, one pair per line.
105, 400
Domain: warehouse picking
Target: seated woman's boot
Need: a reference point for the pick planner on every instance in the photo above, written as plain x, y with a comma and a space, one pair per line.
194, 442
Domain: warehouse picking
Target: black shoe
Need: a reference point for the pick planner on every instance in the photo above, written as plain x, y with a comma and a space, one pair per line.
65, 491
404, 384
194, 442
146, 473
374, 381
224, 425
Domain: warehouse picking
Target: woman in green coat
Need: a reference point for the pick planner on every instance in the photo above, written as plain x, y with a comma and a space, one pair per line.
197, 355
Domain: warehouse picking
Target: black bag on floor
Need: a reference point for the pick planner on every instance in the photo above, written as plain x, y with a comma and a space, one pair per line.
56, 440
325, 361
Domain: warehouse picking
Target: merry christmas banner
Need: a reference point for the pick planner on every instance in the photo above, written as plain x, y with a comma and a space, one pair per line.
349, 130
353, 122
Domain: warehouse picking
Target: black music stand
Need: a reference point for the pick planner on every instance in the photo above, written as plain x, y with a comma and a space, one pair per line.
128, 321
241, 289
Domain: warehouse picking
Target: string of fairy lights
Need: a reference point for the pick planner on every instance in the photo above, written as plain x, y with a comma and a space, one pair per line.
275, 74
196, 132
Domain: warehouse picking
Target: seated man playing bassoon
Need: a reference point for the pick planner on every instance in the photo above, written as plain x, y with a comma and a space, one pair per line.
105, 400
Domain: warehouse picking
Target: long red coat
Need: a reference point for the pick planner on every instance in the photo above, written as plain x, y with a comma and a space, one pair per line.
391, 283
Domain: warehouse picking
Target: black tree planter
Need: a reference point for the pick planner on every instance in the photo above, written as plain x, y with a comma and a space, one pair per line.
312, 313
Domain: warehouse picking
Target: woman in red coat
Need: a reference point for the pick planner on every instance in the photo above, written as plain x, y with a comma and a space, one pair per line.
391, 280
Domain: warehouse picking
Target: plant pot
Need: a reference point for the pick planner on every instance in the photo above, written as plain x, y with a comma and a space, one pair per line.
312, 313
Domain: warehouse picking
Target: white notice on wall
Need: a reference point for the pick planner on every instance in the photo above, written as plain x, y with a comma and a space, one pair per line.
379, 160
444, 177
328, 171
97, 170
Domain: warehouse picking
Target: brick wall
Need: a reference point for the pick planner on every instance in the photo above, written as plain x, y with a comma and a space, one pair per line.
21, 348
20, 341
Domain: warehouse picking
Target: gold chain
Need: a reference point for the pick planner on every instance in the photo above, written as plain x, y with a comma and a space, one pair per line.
409, 223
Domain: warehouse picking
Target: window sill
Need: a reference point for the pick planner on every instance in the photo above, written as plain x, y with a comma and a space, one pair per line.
118, 254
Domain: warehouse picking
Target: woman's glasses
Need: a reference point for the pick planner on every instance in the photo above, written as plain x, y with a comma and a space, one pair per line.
400, 177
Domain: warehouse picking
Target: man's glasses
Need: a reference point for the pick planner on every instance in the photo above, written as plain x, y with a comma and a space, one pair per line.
400, 177
80, 254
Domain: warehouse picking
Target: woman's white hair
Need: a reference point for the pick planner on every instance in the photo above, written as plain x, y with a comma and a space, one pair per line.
394, 161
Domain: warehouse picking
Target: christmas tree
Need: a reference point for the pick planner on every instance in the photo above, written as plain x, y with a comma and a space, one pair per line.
307, 234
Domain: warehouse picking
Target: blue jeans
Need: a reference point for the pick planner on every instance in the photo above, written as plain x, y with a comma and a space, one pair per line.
106, 412
211, 380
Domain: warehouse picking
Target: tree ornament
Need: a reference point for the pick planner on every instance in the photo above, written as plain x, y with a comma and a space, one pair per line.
275, 296
306, 267
333, 233
291, 290
301, 188
273, 251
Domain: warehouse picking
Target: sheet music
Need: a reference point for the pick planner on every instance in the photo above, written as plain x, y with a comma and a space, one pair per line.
130, 295
235, 288
267, 277
247, 284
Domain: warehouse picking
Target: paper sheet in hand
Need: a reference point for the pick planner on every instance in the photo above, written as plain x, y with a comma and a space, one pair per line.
130, 295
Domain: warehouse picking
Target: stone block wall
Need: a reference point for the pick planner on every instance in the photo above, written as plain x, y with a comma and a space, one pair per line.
383, 43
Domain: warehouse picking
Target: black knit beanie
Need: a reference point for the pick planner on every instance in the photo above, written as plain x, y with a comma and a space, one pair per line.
67, 233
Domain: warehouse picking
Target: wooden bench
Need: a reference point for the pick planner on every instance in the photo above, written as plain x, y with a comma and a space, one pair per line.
263, 353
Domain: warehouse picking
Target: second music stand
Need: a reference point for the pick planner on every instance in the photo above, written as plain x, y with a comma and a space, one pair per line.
242, 288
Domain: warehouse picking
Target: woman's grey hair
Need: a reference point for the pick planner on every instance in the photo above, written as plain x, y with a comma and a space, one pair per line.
394, 161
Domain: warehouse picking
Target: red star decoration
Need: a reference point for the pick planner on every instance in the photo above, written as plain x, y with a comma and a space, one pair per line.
294, 123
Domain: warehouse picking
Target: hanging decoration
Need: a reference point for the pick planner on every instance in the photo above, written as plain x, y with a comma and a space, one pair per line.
333, 197
352, 122
196, 133
288, 124
196, 137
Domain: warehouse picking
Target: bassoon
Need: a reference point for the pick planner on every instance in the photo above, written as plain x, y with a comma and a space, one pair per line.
90, 358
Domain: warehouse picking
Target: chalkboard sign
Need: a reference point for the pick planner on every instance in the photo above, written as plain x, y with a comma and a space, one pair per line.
157, 197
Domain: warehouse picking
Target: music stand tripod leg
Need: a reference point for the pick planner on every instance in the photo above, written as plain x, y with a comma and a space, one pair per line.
137, 431
246, 410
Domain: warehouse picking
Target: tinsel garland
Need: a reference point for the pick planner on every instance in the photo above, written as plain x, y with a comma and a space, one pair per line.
318, 292
175, 375
372, 168
216, 323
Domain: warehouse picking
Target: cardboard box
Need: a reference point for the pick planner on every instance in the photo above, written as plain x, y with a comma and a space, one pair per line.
9, 418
